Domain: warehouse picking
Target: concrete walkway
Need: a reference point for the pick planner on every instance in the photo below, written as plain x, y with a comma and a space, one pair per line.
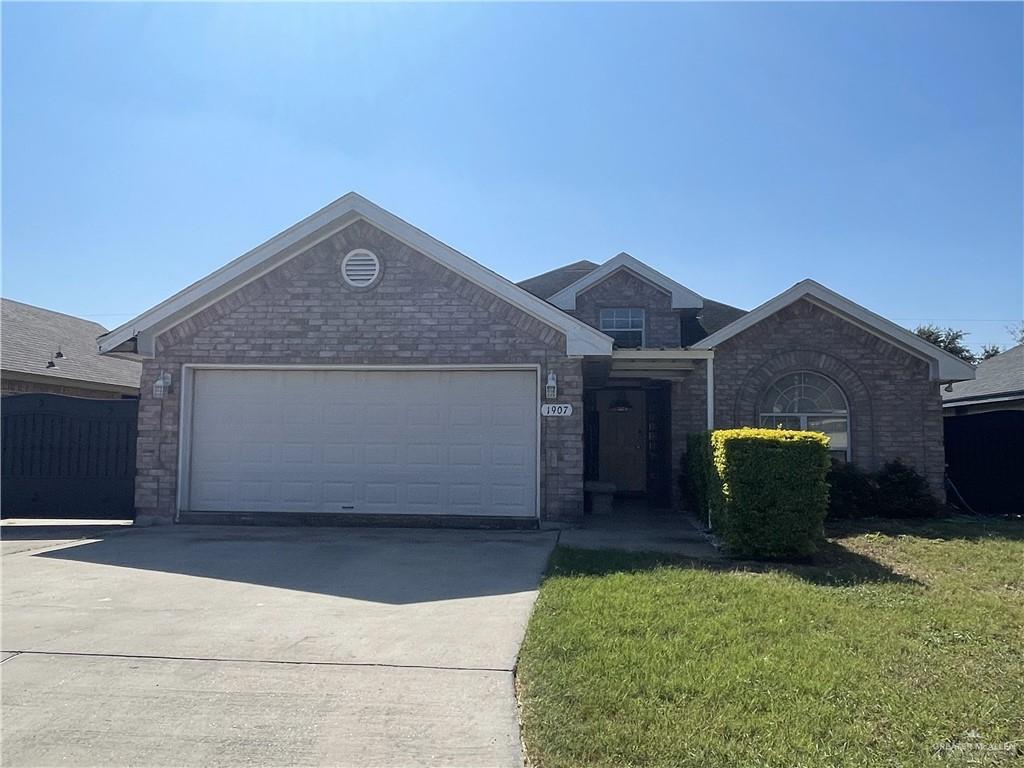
268, 646
672, 533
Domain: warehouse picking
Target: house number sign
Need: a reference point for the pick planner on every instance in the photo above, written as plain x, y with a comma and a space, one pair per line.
556, 409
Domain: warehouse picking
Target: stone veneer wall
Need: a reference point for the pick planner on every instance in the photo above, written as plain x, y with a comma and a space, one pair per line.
624, 289
895, 410
303, 313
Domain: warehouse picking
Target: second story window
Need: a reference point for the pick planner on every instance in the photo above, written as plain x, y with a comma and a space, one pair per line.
626, 326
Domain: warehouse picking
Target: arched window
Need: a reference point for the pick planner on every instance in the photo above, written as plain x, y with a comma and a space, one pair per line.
806, 400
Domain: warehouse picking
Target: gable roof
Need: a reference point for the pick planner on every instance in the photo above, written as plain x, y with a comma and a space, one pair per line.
581, 339
998, 378
682, 297
31, 337
943, 365
546, 285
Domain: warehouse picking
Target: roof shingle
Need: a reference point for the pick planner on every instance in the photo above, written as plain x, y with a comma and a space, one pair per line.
999, 376
30, 336
548, 284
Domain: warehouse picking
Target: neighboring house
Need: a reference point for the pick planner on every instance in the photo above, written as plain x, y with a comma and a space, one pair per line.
985, 434
998, 385
42, 351
353, 367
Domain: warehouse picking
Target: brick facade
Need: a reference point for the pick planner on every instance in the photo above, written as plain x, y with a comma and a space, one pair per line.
421, 313
303, 313
622, 290
895, 410
689, 415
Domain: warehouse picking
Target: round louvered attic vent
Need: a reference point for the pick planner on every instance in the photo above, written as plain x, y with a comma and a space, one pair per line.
360, 268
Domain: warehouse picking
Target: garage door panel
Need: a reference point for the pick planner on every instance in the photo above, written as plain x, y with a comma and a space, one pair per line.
372, 442
423, 454
340, 453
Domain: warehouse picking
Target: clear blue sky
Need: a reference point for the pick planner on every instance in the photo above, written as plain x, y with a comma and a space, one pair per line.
738, 148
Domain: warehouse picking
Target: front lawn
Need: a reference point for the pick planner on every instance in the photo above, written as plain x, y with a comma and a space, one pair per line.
902, 644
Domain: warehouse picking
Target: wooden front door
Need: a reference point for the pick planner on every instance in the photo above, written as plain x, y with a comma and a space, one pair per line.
623, 441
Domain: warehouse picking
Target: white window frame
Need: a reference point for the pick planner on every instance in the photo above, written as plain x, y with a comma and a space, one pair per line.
631, 310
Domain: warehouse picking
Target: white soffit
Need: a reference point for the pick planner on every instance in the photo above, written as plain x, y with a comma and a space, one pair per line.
943, 365
682, 297
581, 339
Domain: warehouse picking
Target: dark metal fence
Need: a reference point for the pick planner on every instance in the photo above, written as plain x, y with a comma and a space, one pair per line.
985, 460
67, 457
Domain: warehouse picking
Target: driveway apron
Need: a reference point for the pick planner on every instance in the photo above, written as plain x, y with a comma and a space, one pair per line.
271, 646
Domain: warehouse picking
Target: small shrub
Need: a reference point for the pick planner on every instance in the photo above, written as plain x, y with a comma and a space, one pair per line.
852, 491
903, 492
768, 491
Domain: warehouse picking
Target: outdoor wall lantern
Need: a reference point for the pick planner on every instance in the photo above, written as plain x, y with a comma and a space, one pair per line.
162, 385
551, 390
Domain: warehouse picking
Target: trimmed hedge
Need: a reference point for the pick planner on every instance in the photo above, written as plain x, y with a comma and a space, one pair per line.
767, 490
697, 472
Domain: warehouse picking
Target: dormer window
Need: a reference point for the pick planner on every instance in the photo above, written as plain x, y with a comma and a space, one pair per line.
625, 325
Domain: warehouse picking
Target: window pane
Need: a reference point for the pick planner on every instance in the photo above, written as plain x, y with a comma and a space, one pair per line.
622, 319
626, 339
772, 421
803, 392
834, 427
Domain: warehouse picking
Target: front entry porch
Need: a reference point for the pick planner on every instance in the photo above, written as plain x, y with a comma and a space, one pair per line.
642, 531
627, 441
629, 459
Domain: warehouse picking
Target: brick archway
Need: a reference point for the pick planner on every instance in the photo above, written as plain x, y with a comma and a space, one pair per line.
861, 417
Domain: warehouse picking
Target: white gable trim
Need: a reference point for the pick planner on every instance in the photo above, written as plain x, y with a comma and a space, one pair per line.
581, 339
682, 297
943, 365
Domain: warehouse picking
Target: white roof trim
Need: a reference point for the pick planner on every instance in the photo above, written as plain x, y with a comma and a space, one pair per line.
581, 339
943, 365
682, 297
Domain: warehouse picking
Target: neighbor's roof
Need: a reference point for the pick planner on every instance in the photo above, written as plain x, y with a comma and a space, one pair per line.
30, 336
580, 338
998, 378
941, 364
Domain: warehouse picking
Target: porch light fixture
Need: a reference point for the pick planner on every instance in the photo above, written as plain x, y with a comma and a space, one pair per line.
162, 385
59, 354
620, 405
50, 363
551, 390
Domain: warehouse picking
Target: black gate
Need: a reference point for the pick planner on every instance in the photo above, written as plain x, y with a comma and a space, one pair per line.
68, 457
985, 458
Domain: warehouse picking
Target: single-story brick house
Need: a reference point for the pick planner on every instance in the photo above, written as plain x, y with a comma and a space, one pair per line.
354, 367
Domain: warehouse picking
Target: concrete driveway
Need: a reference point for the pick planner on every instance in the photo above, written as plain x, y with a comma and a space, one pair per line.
269, 646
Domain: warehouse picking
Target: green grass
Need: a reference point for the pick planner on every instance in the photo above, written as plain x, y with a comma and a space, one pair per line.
897, 639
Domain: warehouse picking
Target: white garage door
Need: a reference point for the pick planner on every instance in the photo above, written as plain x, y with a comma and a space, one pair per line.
364, 442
